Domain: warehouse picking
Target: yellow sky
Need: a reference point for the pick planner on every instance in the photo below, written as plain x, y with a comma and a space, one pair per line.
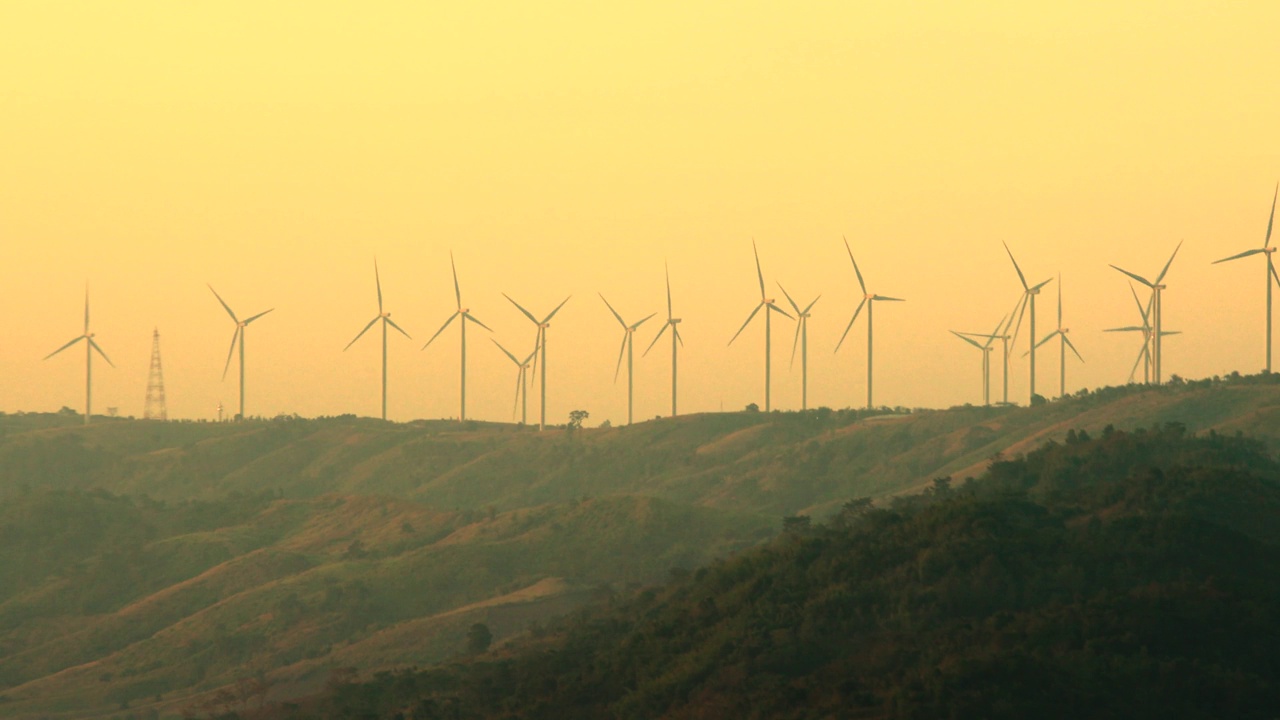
273, 149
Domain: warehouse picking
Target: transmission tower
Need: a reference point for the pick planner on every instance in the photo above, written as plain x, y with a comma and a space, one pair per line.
155, 408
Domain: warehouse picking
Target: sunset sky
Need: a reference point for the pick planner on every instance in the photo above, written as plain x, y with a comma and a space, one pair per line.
274, 149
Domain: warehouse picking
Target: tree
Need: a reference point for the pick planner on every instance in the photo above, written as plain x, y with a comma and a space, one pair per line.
576, 417
479, 638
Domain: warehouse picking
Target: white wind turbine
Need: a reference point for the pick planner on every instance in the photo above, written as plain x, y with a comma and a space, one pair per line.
236, 337
802, 338
986, 356
1144, 354
1029, 293
767, 303
522, 383
1064, 342
90, 346
1271, 268
1156, 313
628, 343
868, 300
671, 322
385, 317
541, 341
465, 314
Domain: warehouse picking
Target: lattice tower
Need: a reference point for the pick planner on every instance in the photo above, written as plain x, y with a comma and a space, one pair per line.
155, 408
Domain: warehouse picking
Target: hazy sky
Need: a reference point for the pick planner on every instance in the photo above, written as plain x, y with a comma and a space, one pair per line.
273, 149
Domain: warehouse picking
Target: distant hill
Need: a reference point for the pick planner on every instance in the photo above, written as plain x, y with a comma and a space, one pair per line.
1127, 576
153, 564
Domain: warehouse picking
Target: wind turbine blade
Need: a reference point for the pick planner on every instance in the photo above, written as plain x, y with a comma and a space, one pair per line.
527, 314
1142, 310
1130, 328
474, 319
224, 304
1139, 278
969, 340
86, 308
1138, 361
777, 309
1170, 332
745, 324
231, 351
991, 339
255, 317
506, 352
1071, 345
1037, 287
759, 274
1021, 278
667, 269
796, 342
353, 342
393, 324
64, 347
553, 312
1166, 265
885, 297
1017, 326
442, 327
94, 345
641, 321
810, 305
621, 322
533, 355
457, 291
1272, 218
516, 404
377, 278
1059, 301
621, 351
856, 271
1237, 256
656, 338
676, 331
849, 327
1047, 338
794, 306
1273, 273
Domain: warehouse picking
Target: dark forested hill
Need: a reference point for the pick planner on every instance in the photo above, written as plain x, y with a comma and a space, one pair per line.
1133, 575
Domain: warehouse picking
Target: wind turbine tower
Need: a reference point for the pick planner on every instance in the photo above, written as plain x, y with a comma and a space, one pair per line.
90, 347
801, 338
541, 342
1029, 293
868, 300
522, 382
767, 303
155, 409
237, 336
628, 347
385, 317
1271, 268
671, 323
465, 314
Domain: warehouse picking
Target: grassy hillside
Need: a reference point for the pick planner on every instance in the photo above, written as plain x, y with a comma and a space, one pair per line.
144, 559
1128, 576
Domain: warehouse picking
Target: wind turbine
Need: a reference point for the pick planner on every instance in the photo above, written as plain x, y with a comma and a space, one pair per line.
869, 300
671, 322
541, 341
767, 303
802, 337
385, 317
465, 314
1146, 330
628, 343
236, 337
1064, 342
522, 384
1029, 294
986, 355
90, 346
1271, 268
1156, 311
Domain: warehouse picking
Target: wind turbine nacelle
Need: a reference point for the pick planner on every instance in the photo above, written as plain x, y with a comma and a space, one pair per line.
674, 321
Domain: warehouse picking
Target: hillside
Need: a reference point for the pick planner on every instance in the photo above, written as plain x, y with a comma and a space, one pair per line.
1129, 576
152, 564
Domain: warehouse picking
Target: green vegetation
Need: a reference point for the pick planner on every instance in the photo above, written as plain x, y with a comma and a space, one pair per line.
1130, 576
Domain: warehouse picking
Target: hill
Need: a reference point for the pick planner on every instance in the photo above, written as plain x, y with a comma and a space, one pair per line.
154, 564
1131, 576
